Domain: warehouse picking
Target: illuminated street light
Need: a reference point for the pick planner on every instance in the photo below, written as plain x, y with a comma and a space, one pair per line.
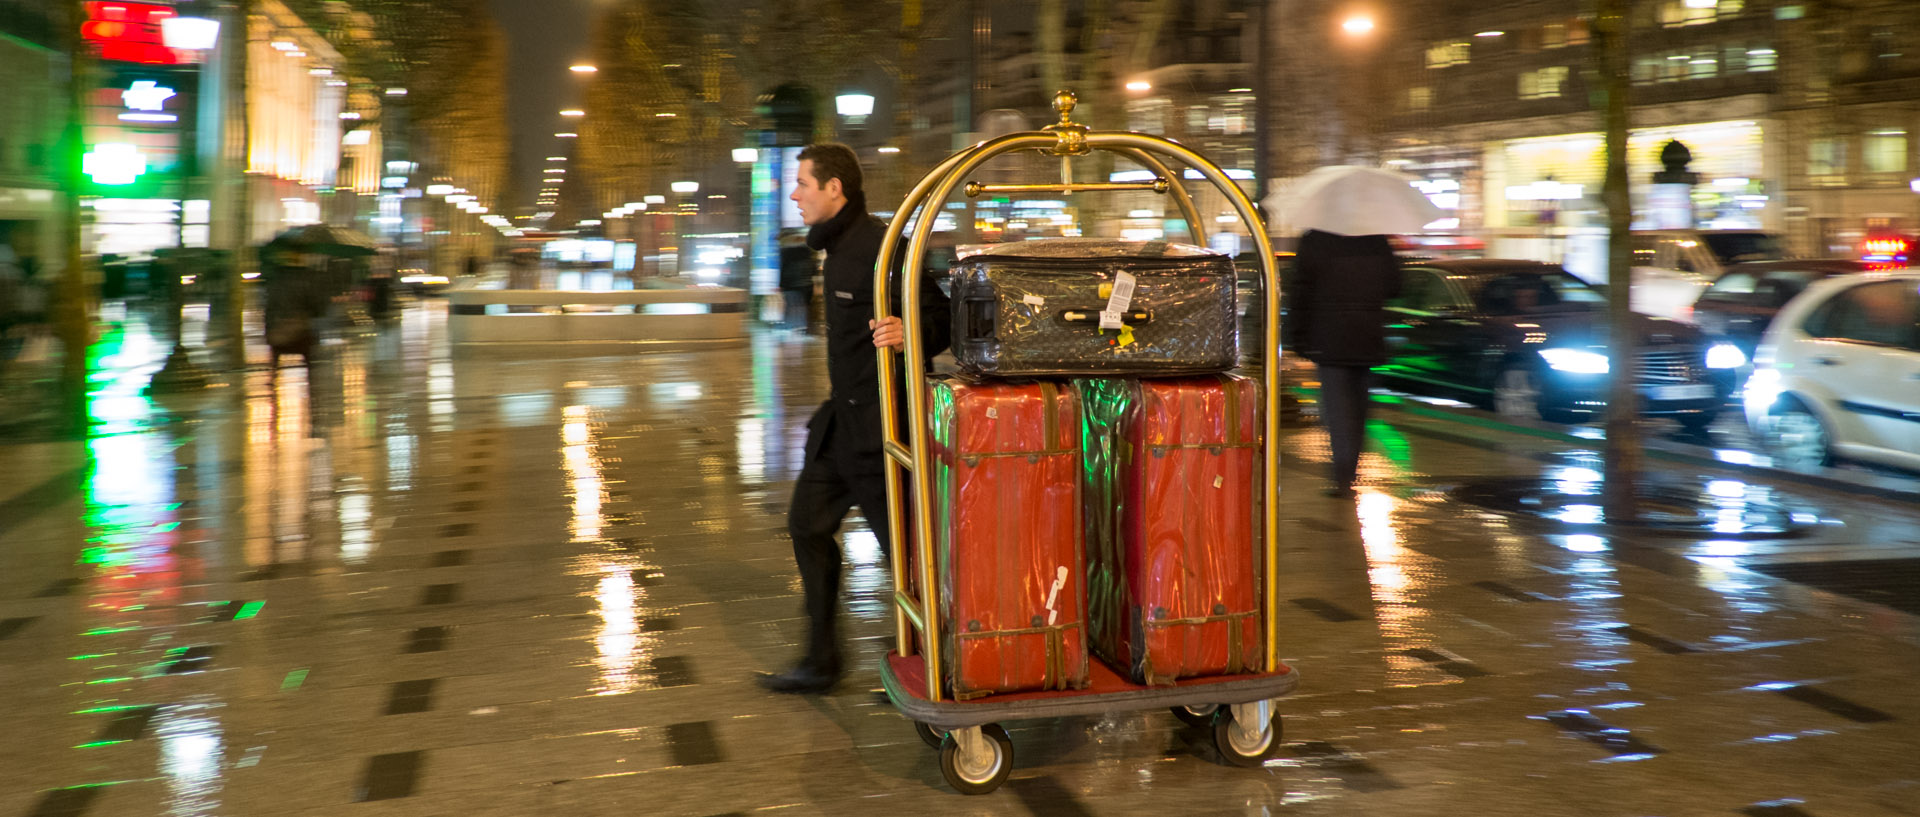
887, 149
746, 155
1139, 85
566, 135
656, 199
190, 33
556, 158
1491, 34
685, 187
1358, 24
853, 104
583, 69
573, 112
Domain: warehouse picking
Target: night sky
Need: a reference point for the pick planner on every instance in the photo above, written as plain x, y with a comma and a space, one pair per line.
544, 37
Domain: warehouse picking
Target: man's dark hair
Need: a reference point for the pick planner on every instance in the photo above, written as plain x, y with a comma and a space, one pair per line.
832, 160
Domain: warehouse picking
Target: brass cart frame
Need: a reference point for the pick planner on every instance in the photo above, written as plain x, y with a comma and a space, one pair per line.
1242, 700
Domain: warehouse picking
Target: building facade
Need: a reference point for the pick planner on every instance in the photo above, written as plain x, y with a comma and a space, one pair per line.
1798, 115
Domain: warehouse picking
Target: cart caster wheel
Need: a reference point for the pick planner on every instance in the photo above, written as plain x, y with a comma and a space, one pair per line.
1198, 716
928, 734
976, 759
1238, 744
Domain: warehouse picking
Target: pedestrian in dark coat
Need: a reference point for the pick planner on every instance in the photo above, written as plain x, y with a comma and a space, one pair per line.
844, 465
797, 266
1336, 319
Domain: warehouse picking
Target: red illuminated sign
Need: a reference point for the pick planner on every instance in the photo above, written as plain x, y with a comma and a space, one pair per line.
128, 32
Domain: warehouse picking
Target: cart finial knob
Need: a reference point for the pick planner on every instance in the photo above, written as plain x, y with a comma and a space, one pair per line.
1063, 101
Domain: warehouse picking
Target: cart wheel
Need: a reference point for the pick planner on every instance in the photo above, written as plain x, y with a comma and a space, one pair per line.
976, 759
1244, 746
928, 734
1198, 716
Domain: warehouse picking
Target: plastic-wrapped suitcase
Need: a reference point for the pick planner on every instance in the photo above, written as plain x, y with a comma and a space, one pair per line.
1008, 535
1173, 475
1070, 306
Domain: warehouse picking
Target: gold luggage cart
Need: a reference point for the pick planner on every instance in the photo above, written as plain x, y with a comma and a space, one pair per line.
975, 753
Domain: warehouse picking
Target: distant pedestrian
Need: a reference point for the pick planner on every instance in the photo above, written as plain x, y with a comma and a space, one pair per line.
1336, 319
844, 465
798, 263
296, 299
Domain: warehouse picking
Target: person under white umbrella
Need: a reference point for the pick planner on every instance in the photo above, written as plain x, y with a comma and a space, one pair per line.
1344, 273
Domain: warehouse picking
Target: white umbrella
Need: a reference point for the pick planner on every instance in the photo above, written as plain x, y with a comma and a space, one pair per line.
1351, 200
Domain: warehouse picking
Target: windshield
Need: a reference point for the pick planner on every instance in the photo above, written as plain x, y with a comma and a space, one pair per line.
1732, 248
1528, 294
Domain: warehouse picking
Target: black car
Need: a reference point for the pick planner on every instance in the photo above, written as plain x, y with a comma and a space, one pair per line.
1741, 303
1525, 338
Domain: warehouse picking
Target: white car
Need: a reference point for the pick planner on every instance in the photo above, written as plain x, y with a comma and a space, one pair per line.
1672, 267
1837, 374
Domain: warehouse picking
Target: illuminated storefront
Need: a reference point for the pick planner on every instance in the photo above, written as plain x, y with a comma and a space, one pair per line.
1554, 181
302, 124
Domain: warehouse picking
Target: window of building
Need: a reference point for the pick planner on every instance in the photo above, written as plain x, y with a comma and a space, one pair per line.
1676, 13
1444, 55
1762, 59
1577, 33
1792, 12
1553, 35
1420, 98
1884, 151
1703, 66
1827, 161
1544, 83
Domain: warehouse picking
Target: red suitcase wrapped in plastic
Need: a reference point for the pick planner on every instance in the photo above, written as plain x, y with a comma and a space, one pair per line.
1172, 491
1008, 535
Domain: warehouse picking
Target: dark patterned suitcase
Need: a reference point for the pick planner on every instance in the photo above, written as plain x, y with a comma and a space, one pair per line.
1093, 307
1172, 492
1007, 534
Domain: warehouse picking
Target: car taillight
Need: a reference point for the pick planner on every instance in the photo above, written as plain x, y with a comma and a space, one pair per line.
1684, 314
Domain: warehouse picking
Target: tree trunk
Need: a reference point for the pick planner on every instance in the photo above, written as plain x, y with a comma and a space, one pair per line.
1623, 456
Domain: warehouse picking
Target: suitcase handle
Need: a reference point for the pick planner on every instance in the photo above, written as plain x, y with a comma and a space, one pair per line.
977, 318
1131, 317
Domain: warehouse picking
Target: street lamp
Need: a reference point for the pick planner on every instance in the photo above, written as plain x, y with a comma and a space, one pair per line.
1357, 25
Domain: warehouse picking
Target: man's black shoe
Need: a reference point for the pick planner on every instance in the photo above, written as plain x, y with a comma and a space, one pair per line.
801, 680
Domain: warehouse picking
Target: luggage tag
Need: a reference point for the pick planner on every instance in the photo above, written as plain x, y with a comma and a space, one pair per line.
1053, 596
1117, 302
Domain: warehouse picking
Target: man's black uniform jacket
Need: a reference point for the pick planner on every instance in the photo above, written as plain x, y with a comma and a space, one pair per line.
847, 426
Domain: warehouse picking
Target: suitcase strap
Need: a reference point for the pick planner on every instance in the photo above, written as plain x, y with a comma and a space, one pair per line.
1237, 661
1056, 675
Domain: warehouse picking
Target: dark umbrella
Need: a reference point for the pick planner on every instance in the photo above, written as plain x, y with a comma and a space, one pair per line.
327, 239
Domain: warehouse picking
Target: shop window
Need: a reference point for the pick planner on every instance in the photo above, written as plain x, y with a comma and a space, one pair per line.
1445, 55
1884, 151
1544, 83
1827, 161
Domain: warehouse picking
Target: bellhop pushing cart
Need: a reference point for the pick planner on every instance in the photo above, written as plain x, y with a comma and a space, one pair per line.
975, 753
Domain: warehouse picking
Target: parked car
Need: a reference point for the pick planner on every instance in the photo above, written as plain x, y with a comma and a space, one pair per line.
1672, 267
1837, 375
1741, 303
1525, 338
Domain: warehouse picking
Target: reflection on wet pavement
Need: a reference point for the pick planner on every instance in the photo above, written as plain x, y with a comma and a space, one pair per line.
429, 586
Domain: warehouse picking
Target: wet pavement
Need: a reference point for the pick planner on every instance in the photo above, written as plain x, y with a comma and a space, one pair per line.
402, 584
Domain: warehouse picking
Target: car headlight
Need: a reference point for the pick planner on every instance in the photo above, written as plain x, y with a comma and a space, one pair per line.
1576, 361
1762, 389
1725, 356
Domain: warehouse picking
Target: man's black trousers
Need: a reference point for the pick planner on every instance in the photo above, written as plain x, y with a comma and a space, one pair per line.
1343, 410
822, 495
